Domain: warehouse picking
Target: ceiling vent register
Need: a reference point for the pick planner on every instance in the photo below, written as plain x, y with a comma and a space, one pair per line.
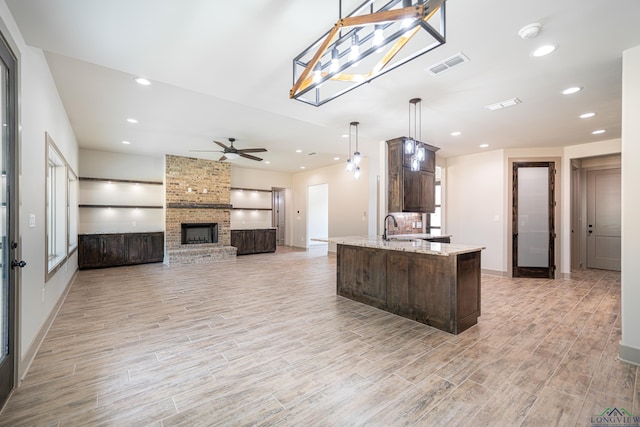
447, 64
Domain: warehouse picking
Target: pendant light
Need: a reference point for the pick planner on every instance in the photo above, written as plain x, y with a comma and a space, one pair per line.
413, 144
353, 162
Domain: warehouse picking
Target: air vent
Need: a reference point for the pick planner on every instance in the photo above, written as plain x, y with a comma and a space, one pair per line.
447, 64
503, 104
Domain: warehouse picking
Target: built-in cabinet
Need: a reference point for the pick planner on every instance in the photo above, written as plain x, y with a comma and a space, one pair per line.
410, 191
115, 249
120, 222
254, 241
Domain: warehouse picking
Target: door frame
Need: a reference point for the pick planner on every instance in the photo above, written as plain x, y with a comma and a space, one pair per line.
9, 53
509, 208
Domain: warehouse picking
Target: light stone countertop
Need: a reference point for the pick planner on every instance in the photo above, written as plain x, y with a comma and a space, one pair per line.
417, 246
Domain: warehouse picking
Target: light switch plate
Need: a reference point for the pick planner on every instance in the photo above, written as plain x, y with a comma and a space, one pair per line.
32, 220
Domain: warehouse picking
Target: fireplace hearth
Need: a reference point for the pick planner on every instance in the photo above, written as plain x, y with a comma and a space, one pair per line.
199, 233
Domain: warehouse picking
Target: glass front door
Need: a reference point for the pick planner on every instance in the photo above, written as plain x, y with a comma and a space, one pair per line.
7, 214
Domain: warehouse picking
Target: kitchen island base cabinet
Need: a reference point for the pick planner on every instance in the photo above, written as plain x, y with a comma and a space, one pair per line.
440, 291
254, 241
115, 249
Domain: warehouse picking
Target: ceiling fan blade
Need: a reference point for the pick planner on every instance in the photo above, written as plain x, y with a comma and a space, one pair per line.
221, 144
223, 158
206, 151
252, 150
249, 156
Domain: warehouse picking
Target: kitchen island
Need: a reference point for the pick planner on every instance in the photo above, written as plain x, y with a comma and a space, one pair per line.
433, 283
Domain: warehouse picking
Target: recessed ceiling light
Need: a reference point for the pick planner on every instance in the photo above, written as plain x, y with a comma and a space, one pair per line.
345, 135
587, 115
571, 90
303, 167
126, 142
142, 81
456, 133
598, 132
267, 162
484, 145
132, 120
544, 50
336, 158
298, 151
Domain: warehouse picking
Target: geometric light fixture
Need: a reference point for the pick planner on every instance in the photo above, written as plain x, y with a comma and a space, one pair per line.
353, 162
372, 40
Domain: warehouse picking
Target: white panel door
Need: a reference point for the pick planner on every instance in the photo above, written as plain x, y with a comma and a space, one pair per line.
603, 219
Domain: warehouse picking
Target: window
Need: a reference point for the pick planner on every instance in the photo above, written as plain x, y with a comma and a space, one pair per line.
435, 218
61, 209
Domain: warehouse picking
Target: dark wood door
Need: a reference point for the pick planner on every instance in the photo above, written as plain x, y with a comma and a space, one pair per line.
155, 247
533, 219
136, 247
113, 249
90, 251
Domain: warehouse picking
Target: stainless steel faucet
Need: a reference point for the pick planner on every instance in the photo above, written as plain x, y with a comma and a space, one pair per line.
395, 224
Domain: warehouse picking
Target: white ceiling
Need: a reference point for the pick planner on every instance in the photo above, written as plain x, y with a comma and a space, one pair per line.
224, 69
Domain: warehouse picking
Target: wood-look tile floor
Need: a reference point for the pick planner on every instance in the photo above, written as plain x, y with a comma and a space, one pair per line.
264, 340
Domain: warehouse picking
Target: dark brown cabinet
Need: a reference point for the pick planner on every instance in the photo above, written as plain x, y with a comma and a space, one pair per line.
254, 241
410, 191
110, 250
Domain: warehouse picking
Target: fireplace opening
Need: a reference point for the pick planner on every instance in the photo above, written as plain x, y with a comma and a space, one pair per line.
199, 233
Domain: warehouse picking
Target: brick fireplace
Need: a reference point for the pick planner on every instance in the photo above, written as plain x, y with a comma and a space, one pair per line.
198, 191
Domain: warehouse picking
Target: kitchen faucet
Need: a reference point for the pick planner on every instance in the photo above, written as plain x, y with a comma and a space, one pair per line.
395, 224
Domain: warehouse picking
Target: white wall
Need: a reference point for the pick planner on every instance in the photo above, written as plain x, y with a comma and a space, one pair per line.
630, 345
475, 205
106, 164
40, 111
349, 208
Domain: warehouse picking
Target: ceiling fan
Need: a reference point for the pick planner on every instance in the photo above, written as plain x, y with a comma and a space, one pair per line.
231, 152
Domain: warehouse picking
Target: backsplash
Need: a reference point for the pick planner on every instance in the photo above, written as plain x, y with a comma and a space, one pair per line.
406, 222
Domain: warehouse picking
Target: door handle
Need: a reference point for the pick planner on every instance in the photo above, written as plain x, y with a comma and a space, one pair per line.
15, 263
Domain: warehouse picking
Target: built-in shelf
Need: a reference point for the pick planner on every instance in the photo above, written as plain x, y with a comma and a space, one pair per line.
126, 181
251, 209
120, 206
250, 189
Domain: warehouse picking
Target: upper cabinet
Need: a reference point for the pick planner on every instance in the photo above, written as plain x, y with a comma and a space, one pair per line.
410, 191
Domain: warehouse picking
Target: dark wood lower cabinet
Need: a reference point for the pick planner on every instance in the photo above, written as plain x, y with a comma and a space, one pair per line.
440, 291
254, 241
110, 250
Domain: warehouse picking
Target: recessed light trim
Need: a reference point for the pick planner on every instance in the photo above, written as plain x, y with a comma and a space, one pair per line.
267, 162
571, 90
142, 81
131, 120
303, 167
598, 132
298, 151
126, 142
544, 50
587, 115
336, 158
456, 133
484, 145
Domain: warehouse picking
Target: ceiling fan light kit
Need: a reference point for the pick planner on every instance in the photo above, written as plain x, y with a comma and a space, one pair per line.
372, 40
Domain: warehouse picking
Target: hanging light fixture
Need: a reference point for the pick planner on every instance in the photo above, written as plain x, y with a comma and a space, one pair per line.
413, 144
353, 162
377, 40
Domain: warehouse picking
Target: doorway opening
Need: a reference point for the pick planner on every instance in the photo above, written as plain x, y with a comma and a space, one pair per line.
318, 213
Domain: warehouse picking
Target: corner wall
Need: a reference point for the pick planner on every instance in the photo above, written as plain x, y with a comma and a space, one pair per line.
40, 110
630, 344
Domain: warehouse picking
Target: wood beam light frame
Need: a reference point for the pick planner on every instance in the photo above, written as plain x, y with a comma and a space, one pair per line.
372, 40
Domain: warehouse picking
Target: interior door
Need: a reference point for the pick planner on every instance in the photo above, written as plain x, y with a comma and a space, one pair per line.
279, 215
8, 190
604, 219
533, 221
